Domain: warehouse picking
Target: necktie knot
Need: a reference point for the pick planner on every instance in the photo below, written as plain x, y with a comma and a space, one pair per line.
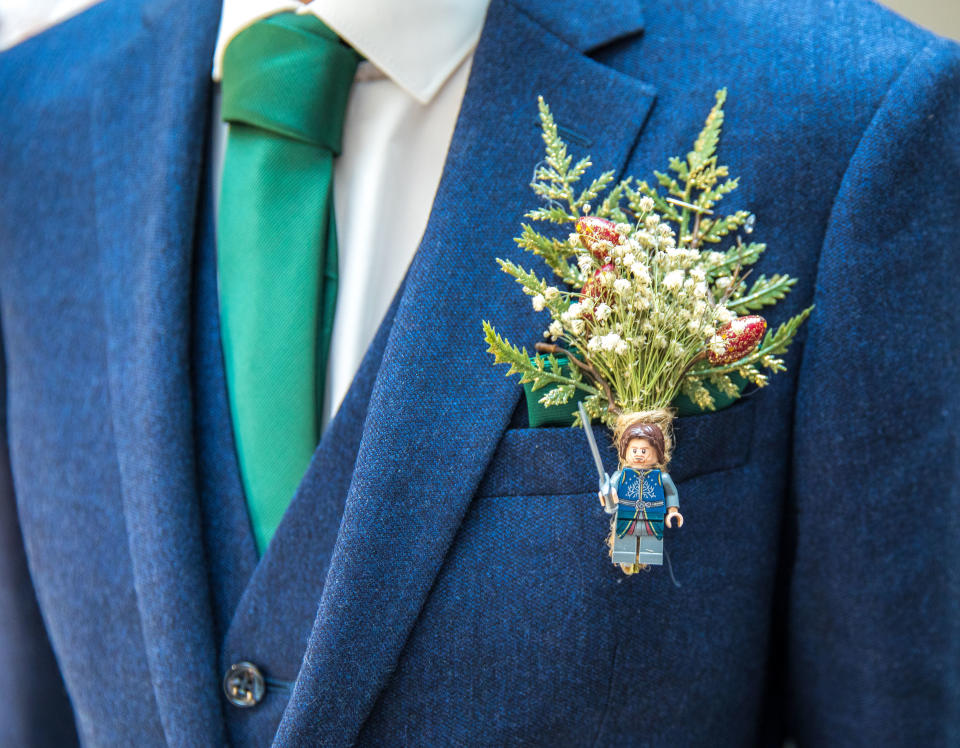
289, 74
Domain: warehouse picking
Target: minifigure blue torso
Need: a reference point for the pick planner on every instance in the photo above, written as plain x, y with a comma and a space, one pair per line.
641, 503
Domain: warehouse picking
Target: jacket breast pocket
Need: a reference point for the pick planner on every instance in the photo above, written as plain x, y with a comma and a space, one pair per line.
553, 461
529, 605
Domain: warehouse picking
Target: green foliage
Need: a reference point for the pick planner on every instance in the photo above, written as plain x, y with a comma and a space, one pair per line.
778, 342
540, 371
553, 251
559, 395
764, 292
724, 384
736, 257
641, 335
555, 177
693, 388
531, 282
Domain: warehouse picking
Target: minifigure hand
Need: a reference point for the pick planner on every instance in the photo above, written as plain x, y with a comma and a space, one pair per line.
674, 513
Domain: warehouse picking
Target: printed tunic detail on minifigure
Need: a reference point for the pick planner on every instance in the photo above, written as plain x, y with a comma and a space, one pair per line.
641, 505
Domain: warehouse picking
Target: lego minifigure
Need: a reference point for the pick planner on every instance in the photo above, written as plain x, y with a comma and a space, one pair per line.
645, 498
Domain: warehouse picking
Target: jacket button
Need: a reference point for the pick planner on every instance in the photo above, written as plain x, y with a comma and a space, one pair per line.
243, 684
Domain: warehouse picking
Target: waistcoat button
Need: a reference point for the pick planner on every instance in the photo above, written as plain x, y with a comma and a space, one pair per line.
243, 684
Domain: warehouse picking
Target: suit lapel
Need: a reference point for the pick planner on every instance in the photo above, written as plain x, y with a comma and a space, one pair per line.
148, 119
438, 407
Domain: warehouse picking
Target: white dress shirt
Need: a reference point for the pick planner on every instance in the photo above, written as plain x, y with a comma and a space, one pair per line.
399, 121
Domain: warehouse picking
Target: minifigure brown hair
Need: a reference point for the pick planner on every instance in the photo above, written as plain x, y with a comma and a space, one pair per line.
662, 418
649, 431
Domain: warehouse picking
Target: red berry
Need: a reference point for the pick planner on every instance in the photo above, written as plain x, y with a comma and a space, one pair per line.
593, 289
593, 231
740, 336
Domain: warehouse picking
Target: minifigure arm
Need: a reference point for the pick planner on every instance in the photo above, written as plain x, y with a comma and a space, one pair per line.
672, 499
670, 491
612, 483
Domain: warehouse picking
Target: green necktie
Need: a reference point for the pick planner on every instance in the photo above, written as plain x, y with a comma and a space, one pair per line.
285, 85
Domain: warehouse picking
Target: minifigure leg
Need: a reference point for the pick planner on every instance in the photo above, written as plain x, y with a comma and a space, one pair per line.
650, 550
624, 549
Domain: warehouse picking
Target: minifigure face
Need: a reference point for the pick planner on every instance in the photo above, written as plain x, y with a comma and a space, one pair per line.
640, 454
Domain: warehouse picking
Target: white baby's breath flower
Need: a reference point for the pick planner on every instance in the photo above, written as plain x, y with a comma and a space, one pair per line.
700, 290
606, 278
660, 340
640, 272
693, 326
603, 247
646, 203
709, 331
586, 303
621, 348
651, 221
576, 325
722, 315
717, 346
538, 302
550, 292
602, 312
675, 349
574, 239
664, 230
698, 274
586, 208
673, 280
594, 343
621, 286
715, 258
645, 239
555, 330
573, 311
610, 341
629, 259
724, 282
585, 262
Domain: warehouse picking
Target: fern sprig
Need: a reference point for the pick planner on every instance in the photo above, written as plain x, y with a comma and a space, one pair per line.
535, 371
764, 292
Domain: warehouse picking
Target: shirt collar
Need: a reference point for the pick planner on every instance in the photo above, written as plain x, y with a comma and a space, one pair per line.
415, 43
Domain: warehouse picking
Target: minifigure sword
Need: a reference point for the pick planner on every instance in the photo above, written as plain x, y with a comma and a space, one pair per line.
608, 504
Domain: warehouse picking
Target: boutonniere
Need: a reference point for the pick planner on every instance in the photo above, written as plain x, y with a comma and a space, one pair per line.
649, 309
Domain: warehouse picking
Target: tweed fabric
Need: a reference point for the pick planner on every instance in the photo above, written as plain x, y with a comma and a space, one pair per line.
804, 610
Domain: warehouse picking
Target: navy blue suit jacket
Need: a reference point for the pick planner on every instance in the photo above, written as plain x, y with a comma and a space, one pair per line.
441, 576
